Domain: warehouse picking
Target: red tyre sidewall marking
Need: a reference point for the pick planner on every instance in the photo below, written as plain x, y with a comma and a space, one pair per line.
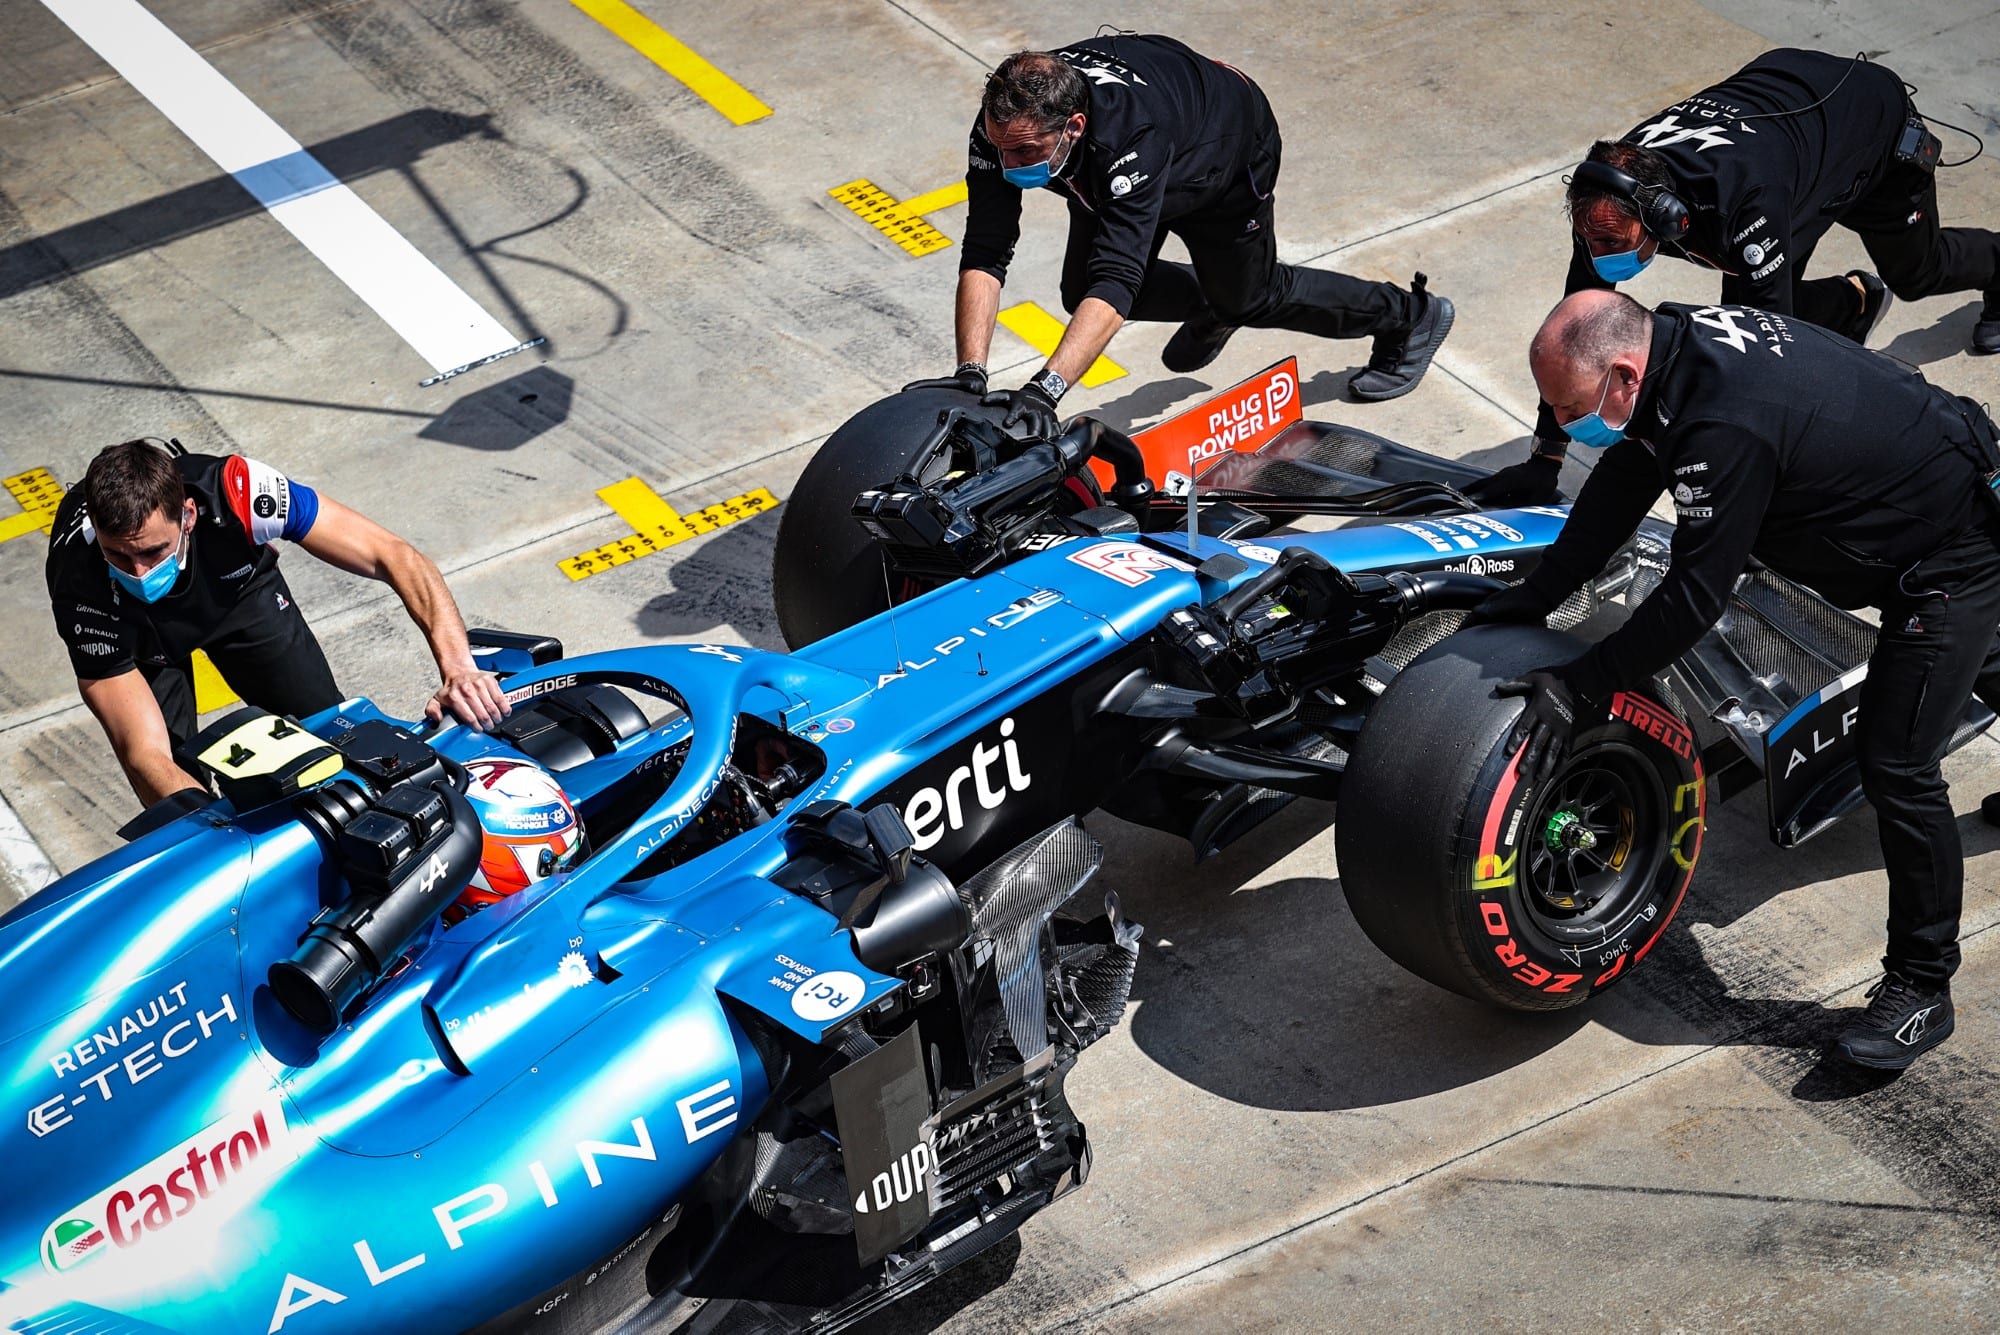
1491, 874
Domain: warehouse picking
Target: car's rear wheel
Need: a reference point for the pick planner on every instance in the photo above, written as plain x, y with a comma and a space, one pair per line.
1531, 899
826, 573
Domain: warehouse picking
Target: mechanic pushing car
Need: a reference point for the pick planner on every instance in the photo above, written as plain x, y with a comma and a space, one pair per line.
161, 552
1745, 178
1837, 468
1143, 137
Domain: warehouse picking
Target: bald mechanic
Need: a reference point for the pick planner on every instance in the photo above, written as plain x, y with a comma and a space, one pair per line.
1141, 137
1837, 468
159, 553
1745, 178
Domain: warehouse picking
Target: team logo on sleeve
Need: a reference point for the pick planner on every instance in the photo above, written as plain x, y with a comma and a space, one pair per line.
259, 496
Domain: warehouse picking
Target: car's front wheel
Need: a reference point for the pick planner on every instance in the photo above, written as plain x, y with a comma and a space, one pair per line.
1531, 898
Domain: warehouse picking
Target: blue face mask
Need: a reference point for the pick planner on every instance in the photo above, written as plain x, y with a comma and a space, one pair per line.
153, 585
1617, 268
1035, 177
1591, 429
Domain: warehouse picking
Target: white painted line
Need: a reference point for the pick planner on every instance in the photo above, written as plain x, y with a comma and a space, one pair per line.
433, 315
21, 858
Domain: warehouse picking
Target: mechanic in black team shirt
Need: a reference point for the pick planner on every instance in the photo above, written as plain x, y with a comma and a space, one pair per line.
1745, 178
1836, 467
160, 553
1142, 137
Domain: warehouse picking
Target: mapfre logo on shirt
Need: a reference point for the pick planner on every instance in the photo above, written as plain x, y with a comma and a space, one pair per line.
259, 496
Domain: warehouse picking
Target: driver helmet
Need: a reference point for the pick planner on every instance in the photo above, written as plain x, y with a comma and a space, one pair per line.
531, 831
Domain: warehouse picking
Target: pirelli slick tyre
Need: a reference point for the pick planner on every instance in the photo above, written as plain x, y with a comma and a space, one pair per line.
1530, 900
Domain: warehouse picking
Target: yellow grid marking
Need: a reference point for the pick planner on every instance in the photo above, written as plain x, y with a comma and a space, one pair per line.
1042, 331
657, 525
661, 47
903, 222
38, 495
210, 690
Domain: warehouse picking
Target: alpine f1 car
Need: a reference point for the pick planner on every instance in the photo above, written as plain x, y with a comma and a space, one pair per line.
775, 1027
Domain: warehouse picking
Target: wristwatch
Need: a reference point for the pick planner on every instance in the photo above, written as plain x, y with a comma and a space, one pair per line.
1051, 383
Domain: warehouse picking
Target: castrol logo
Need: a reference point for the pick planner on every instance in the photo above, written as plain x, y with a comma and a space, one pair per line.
218, 1165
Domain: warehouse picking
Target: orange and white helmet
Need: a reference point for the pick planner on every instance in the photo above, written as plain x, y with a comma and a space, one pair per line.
532, 831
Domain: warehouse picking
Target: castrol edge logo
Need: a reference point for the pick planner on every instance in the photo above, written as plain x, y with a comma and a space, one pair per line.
223, 1160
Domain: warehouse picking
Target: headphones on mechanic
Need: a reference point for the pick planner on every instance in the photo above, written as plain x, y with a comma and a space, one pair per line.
1661, 212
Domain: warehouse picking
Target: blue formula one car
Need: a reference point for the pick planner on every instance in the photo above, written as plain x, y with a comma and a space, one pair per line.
787, 1038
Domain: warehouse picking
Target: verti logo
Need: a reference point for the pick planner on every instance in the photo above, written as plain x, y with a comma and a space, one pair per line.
933, 812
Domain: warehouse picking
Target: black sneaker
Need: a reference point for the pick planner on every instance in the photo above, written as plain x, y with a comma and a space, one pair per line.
1986, 334
1196, 343
1400, 359
1989, 808
1875, 303
1903, 1021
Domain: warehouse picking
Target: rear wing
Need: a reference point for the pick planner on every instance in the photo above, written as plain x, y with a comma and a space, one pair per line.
1240, 420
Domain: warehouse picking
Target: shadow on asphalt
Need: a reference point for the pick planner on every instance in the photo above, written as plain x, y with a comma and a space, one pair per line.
396, 145
508, 415
1947, 336
1267, 993
1151, 401
1329, 386
936, 1303
722, 589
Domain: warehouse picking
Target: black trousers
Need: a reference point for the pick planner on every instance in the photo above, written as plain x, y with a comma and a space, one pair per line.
1896, 217
1936, 649
1235, 271
264, 650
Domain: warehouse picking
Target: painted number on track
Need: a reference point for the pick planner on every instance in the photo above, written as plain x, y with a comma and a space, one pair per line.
657, 526
901, 221
38, 494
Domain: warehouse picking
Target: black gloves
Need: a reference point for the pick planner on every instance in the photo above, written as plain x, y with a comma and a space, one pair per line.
1516, 604
1032, 406
1531, 482
1562, 700
970, 377
1547, 726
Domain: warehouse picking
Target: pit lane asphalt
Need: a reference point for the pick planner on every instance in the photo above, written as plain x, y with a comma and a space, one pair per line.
1290, 1133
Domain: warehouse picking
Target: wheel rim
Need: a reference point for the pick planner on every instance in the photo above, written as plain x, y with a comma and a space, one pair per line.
1595, 840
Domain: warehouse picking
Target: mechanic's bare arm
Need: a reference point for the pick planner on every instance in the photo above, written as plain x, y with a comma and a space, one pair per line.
357, 544
1088, 335
978, 308
130, 716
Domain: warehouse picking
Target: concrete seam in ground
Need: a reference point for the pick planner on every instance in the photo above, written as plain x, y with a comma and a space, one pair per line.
1194, 1272
23, 865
